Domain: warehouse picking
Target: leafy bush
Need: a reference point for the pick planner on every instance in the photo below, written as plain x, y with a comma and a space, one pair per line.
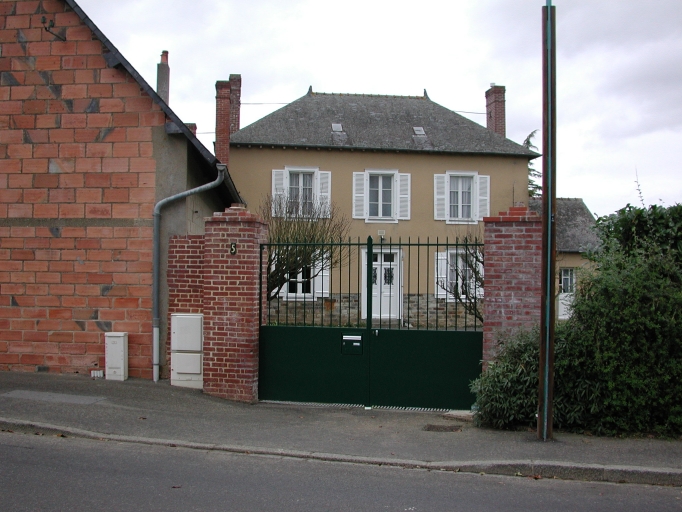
629, 309
507, 392
618, 359
633, 228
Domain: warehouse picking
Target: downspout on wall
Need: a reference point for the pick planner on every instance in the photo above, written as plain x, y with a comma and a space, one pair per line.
156, 349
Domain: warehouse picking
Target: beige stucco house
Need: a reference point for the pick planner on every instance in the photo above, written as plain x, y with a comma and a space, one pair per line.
401, 167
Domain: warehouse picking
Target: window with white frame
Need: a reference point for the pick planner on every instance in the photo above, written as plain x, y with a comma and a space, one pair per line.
567, 283
381, 195
307, 283
567, 280
461, 197
300, 283
298, 191
459, 274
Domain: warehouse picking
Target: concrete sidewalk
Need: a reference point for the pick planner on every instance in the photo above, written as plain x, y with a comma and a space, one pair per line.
144, 412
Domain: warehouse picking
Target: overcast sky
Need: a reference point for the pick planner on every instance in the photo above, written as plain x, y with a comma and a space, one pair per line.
619, 70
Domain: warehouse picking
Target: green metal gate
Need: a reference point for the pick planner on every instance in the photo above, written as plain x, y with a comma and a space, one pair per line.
324, 340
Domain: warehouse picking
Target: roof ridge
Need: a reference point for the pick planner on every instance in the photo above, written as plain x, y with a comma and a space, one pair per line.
315, 93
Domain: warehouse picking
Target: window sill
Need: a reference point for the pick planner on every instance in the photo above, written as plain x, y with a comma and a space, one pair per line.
306, 297
380, 220
461, 221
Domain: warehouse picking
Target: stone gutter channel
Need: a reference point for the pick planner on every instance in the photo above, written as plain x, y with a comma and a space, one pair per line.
521, 468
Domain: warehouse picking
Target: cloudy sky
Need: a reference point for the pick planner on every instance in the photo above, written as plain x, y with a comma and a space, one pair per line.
619, 70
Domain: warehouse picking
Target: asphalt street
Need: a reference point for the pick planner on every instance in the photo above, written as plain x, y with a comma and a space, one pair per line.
50, 472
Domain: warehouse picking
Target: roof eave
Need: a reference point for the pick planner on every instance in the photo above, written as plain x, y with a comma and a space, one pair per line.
258, 145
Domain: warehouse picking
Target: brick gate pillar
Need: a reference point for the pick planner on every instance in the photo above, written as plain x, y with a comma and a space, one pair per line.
513, 274
230, 303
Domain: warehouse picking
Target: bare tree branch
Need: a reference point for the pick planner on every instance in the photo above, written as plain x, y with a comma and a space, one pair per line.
310, 234
464, 275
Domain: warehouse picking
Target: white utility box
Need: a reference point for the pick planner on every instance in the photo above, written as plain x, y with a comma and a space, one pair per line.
116, 355
187, 340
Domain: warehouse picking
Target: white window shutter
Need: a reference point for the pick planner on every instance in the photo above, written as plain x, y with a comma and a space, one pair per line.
441, 275
359, 179
321, 282
403, 196
280, 184
480, 291
440, 203
483, 197
324, 185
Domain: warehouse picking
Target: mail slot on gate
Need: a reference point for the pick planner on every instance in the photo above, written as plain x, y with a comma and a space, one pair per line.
351, 344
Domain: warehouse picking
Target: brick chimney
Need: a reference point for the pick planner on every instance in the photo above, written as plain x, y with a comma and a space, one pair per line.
228, 103
494, 106
163, 77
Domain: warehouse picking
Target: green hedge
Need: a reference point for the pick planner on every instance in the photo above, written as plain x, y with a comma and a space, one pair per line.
618, 359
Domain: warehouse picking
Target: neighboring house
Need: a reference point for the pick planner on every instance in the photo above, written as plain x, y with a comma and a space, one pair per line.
575, 236
401, 167
87, 149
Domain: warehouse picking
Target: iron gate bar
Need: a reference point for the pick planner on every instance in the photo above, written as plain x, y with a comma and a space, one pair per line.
321, 297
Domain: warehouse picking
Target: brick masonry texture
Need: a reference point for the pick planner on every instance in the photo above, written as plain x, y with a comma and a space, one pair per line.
75, 150
204, 277
513, 268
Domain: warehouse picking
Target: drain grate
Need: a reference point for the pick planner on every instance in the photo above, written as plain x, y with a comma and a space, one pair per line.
409, 409
345, 406
443, 428
310, 404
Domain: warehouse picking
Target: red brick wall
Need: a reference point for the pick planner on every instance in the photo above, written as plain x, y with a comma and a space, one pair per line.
185, 276
77, 189
231, 291
513, 268
204, 277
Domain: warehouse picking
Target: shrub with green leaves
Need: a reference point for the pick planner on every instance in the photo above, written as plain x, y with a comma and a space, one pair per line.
507, 392
630, 310
618, 359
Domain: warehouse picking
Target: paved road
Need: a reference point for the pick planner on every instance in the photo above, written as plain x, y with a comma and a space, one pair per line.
56, 473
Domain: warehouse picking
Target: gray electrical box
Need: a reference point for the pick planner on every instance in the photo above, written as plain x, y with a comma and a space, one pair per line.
116, 355
187, 338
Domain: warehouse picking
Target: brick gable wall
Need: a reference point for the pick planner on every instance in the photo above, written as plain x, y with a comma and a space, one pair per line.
77, 190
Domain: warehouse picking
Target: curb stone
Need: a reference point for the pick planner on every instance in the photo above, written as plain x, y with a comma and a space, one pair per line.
524, 468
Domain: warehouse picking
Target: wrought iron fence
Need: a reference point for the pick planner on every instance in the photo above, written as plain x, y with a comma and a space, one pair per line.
431, 285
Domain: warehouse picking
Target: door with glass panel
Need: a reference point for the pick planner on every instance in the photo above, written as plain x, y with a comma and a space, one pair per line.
386, 283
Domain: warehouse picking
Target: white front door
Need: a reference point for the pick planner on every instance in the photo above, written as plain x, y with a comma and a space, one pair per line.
386, 284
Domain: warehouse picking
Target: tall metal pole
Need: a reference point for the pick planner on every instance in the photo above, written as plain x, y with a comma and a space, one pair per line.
545, 392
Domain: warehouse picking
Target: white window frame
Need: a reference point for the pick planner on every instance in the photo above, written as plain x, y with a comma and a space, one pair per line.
446, 274
321, 186
319, 286
565, 298
480, 197
570, 274
400, 196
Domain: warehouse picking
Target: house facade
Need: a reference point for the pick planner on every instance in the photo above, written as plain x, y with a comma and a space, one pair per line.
87, 148
402, 168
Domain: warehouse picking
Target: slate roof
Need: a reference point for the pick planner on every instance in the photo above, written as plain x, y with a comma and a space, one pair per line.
373, 122
574, 224
115, 59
